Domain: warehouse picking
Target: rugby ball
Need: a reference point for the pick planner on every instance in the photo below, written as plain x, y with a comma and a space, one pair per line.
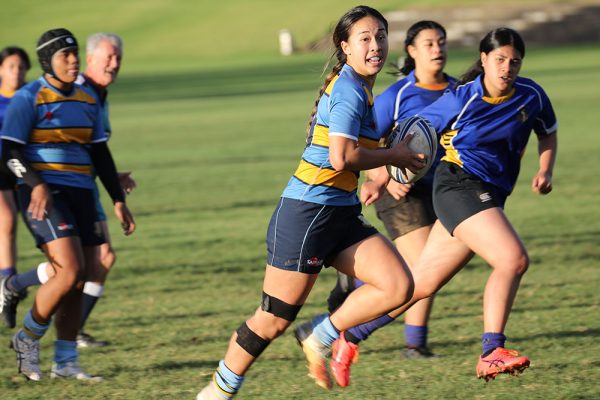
424, 141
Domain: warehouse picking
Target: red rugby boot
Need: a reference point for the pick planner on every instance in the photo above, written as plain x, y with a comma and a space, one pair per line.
344, 354
501, 361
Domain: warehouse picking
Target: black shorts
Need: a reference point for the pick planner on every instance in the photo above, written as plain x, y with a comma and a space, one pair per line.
458, 195
413, 211
306, 236
7, 180
73, 213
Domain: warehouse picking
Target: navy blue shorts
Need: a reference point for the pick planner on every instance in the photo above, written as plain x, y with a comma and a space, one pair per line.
73, 213
7, 180
458, 195
305, 237
99, 208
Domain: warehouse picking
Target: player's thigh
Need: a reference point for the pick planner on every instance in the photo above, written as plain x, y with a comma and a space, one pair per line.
411, 244
500, 246
66, 256
441, 258
375, 261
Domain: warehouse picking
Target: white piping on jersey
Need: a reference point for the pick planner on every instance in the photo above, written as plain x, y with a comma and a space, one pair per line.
306, 234
12, 139
475, 96
397, 105
343, 135
539, 96
275, 234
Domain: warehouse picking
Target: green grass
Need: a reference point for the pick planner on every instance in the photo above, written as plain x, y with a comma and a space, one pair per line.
212, 151
212, 122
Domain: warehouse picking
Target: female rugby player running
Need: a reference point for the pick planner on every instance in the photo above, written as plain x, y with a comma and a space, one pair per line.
318, 219
486, 123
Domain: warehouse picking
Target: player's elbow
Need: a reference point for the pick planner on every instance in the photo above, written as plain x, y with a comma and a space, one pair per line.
339, 162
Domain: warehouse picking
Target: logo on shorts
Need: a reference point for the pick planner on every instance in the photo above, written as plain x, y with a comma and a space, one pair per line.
485, 197
314, 262
64, 227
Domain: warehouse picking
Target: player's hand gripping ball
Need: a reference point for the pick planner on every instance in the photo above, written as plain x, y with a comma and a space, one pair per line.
424, 141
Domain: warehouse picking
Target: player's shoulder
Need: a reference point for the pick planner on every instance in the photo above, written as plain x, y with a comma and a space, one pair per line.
528, 84
28, 92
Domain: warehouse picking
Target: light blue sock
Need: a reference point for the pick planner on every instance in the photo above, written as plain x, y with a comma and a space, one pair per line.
228, 381
65, 351
324, 330
31, 328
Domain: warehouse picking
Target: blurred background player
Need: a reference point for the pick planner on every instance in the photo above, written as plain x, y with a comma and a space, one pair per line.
486, 123
318, 220
407, 209
53, 138
104, 52
14, 64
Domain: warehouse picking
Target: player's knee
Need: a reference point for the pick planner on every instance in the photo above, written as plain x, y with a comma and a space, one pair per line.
275, 316
68, 278
398, 289
249, 340
521, 263
108, 258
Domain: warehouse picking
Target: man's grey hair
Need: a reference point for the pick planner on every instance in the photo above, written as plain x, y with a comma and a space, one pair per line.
94, 40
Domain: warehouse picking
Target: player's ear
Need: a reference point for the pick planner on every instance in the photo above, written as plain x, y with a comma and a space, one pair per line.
345, 47
483, 57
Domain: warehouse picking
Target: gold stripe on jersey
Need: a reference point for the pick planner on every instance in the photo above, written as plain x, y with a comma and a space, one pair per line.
61, 135
500, 99
432, 86
49, 96
321, 136
451, 152
313, 175
82, 169
329, 88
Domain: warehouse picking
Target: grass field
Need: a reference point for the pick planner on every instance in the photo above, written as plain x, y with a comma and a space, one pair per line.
212, 147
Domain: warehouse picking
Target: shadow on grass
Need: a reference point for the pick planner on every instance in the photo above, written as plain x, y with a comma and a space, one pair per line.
246, 81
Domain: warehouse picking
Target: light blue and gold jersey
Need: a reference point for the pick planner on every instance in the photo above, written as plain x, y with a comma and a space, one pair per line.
345, 110
487, 136
404, 99
56, 129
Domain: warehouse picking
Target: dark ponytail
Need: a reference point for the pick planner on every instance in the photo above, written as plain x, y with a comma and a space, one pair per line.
497, 38
341, 34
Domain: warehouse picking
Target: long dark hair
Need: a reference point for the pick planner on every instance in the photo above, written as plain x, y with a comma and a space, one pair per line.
497, 38
411, 34
13, 50
341, 34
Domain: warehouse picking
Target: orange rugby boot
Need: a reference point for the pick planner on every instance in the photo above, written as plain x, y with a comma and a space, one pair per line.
344, 355
501, 361
316, 355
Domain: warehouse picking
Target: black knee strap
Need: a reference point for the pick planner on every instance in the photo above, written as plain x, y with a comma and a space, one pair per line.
250, 341
279, 308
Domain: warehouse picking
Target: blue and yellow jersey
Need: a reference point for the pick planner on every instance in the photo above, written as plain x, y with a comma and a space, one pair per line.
404, 99
345, 110
56, 129
487, 136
